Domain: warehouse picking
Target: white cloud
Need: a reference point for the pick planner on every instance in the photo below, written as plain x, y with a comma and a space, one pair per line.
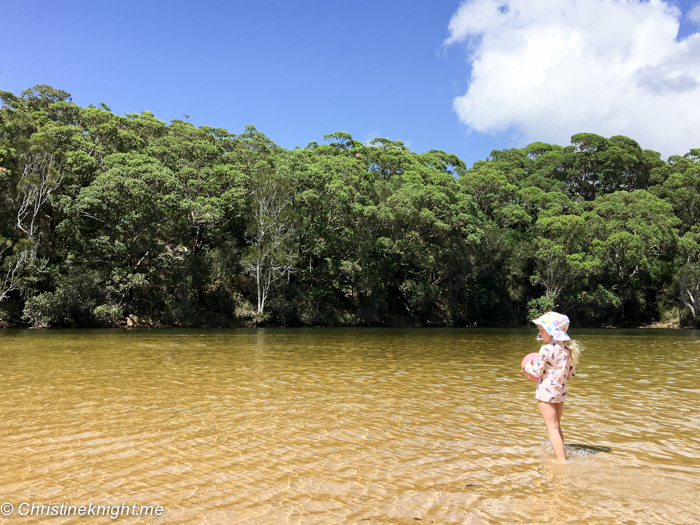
551, 68
371, 135
694, 14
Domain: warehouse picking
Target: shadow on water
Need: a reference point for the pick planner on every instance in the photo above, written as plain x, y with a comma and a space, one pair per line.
579, 449
584, 450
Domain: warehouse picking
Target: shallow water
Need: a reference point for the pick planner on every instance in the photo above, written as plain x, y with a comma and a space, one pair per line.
343, 426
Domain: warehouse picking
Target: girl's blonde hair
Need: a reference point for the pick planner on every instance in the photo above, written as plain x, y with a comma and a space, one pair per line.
575, 348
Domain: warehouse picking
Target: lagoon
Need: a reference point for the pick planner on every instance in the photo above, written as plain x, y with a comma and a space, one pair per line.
371, 426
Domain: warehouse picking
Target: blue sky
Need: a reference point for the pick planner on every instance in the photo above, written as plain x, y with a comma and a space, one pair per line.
297, 70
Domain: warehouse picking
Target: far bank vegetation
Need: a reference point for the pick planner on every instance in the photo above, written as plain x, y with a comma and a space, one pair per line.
109, 220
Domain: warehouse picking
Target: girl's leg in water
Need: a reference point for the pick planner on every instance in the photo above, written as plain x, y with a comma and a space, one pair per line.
560, 411
556, 438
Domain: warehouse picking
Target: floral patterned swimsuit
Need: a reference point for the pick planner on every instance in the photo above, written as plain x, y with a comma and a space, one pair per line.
553, 366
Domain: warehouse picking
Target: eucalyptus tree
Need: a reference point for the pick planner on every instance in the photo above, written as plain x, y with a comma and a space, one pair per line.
122, 229
634, 238
562, 266
688, 275
681, 188
33, 150
270, 234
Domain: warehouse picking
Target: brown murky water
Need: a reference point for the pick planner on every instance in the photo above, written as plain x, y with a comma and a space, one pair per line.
346, 426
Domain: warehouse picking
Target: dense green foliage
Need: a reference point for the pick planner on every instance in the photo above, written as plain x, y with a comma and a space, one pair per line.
108, 219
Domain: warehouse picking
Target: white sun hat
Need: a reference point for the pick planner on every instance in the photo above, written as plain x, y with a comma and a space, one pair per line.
555, 324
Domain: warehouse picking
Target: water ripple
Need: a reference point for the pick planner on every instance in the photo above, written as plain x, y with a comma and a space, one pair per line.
347, 426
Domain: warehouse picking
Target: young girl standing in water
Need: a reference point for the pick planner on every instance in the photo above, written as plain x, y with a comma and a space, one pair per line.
555, 363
